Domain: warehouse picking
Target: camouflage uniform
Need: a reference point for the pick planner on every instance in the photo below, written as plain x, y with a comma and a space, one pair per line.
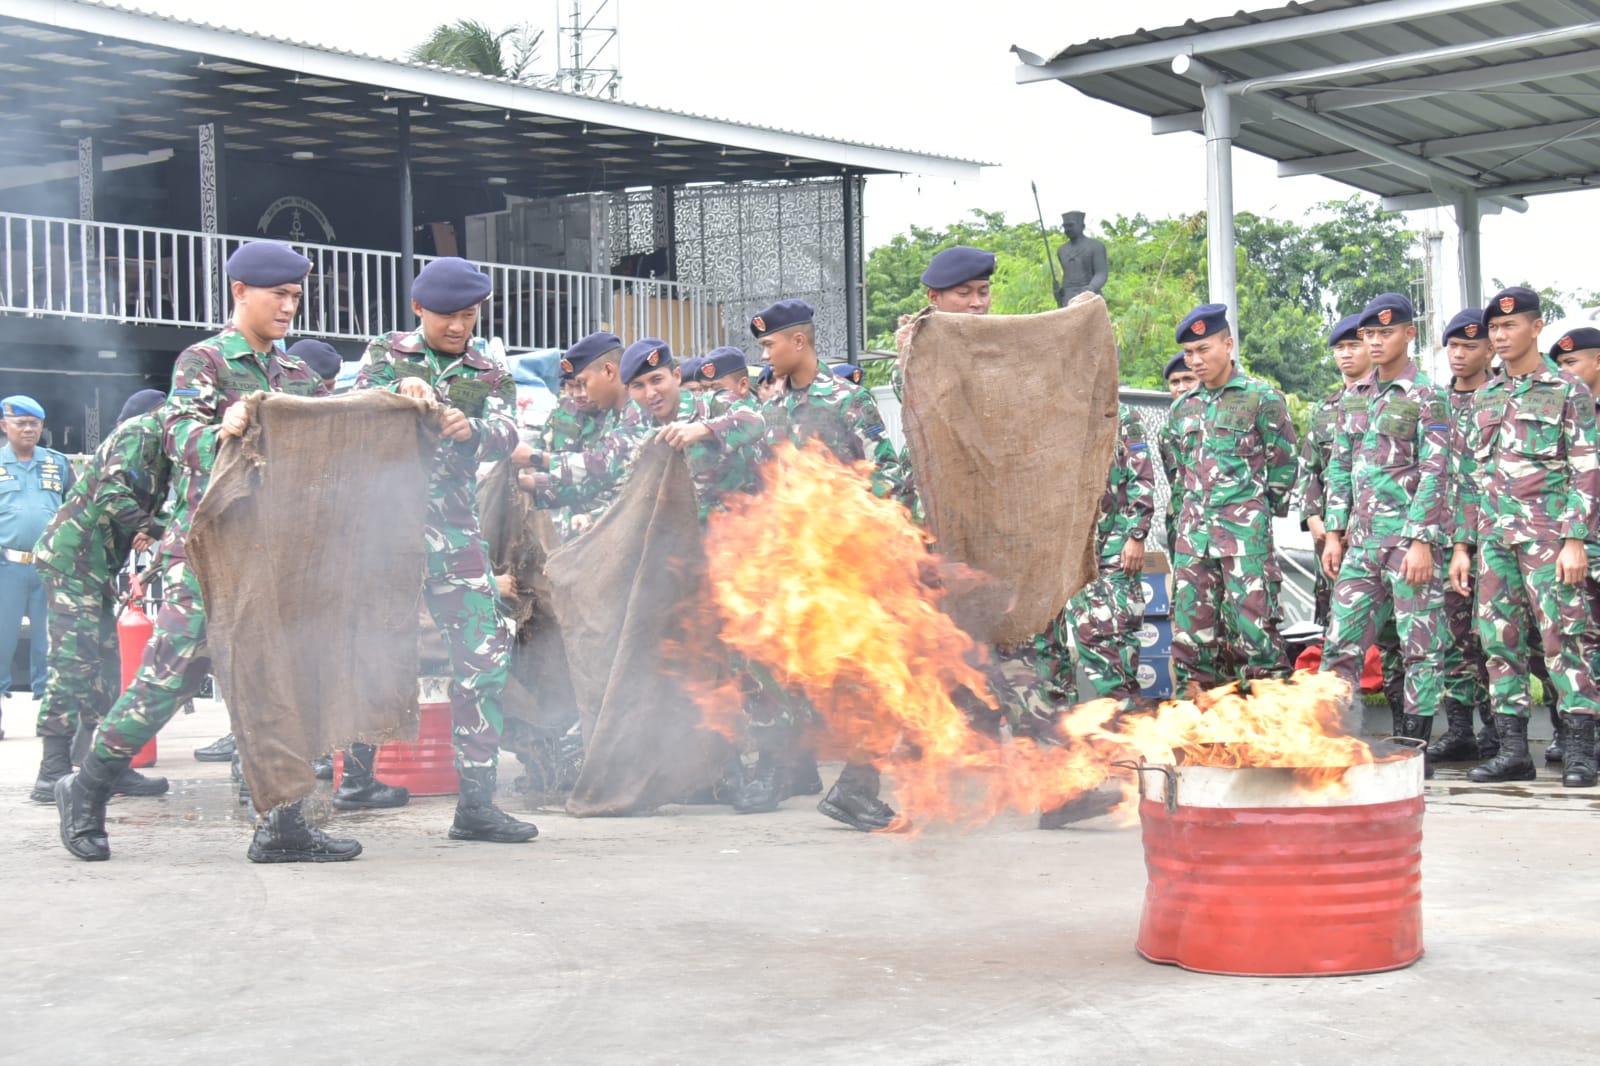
1167, 445
79, 557
586, 480
458, 587
1312, 490
1103, 620
731, 460
1235, 457
1533, 440
1466, 675
1389, 486
568, 429
208, 378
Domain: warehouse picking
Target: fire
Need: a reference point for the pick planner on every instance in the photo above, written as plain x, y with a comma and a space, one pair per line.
828, 588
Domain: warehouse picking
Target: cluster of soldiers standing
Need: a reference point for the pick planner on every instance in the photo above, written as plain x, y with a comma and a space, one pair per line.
1455, 526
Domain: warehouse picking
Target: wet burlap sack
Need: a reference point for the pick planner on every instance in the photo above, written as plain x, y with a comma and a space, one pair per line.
309, 549
1012, 421
619, 591
520, 539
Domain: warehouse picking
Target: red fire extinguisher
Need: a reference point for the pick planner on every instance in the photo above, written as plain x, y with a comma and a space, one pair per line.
133, 633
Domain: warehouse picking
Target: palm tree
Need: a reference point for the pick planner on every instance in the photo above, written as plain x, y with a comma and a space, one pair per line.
470, 45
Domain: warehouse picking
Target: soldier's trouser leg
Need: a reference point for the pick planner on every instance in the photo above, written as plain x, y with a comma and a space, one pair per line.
1391, 660
1107, 615
1514, 582
461, 599
1369, 583
1466, 680
1197, 589
1057, 658
83, 661
1249, 614
20, 592
174, 666
1023, 693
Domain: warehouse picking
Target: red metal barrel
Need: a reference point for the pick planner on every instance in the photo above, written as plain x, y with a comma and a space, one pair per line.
133, 633
427, 765
1250, 874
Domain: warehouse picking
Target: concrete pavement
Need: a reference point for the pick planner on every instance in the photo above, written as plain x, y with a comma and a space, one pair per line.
697, 936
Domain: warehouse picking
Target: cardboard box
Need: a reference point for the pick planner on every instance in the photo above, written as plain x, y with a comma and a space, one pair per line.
1157, 582
1155, 637
1155, 676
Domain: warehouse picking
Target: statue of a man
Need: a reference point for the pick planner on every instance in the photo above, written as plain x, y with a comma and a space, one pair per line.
1083, 261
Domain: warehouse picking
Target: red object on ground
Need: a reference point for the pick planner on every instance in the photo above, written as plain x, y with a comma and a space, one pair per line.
426, 766
1302, 887
1371, 669
133, 633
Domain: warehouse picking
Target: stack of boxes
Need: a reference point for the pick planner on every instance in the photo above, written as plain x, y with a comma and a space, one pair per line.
1155, 635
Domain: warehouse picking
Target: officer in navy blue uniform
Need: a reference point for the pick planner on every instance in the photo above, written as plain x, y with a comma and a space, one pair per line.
33, 481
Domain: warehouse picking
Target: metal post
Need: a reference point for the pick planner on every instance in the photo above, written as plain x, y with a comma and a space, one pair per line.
88, 160
1220, 130
213, 209
408, 249
1471, 249
852, 267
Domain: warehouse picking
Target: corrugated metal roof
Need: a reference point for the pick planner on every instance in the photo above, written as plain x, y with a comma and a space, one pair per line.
1513, 121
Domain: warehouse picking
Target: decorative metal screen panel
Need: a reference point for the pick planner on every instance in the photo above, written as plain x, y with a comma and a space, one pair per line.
750, 244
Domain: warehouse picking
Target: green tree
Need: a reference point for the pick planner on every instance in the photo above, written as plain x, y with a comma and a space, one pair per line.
467, 44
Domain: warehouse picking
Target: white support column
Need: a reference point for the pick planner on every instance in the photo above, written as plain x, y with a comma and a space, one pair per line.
1220, 129
1471, 249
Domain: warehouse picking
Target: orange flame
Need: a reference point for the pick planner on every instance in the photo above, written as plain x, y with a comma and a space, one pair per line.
824, 585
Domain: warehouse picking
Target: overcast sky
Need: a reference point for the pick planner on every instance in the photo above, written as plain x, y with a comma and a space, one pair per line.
935, 76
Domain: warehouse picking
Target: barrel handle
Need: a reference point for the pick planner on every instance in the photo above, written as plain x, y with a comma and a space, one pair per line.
1170, 773
1416, 742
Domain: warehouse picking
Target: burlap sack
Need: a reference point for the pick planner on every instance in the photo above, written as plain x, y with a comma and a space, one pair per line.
309, 548
619, 591
1012, 421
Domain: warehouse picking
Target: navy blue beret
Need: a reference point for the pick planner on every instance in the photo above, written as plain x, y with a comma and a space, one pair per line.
955, 265
720, 362
20, 406
1204, 321
1576, 340
848, 371
1511, 301
1388, 309
1176, 365
690, 368
1468, 325
781, 315
1347, 328
264, 264
323, 358
766, 375
586, 351
451, 284
644, 356
141, 403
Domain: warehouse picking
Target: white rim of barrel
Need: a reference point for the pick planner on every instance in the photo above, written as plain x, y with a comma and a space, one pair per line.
1220, 787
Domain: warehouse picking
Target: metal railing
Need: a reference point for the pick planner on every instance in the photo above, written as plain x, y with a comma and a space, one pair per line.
147, 275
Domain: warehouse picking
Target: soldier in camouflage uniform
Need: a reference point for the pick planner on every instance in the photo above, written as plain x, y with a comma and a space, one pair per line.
1577, 352
202, 411
1180, 379
1102, 622
1388, 514
442, 361
1235, 458
816, 406
1530, 512
1351, 356
723, 437
572, 426
109, 512
1466, 678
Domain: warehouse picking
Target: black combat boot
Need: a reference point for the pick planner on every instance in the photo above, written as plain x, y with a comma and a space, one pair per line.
853, 799
1397, 720
1488, 738
81, 801
1457, 744
219, 750
133, 783
1580, 770
1420, 727
804, 777
765, 788
55, 764
358, 789
1558, 739
1512, 763
282, 835
322, 766
477, 818
1079, 809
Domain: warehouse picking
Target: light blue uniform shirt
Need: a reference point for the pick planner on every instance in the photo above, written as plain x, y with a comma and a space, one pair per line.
30, 495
